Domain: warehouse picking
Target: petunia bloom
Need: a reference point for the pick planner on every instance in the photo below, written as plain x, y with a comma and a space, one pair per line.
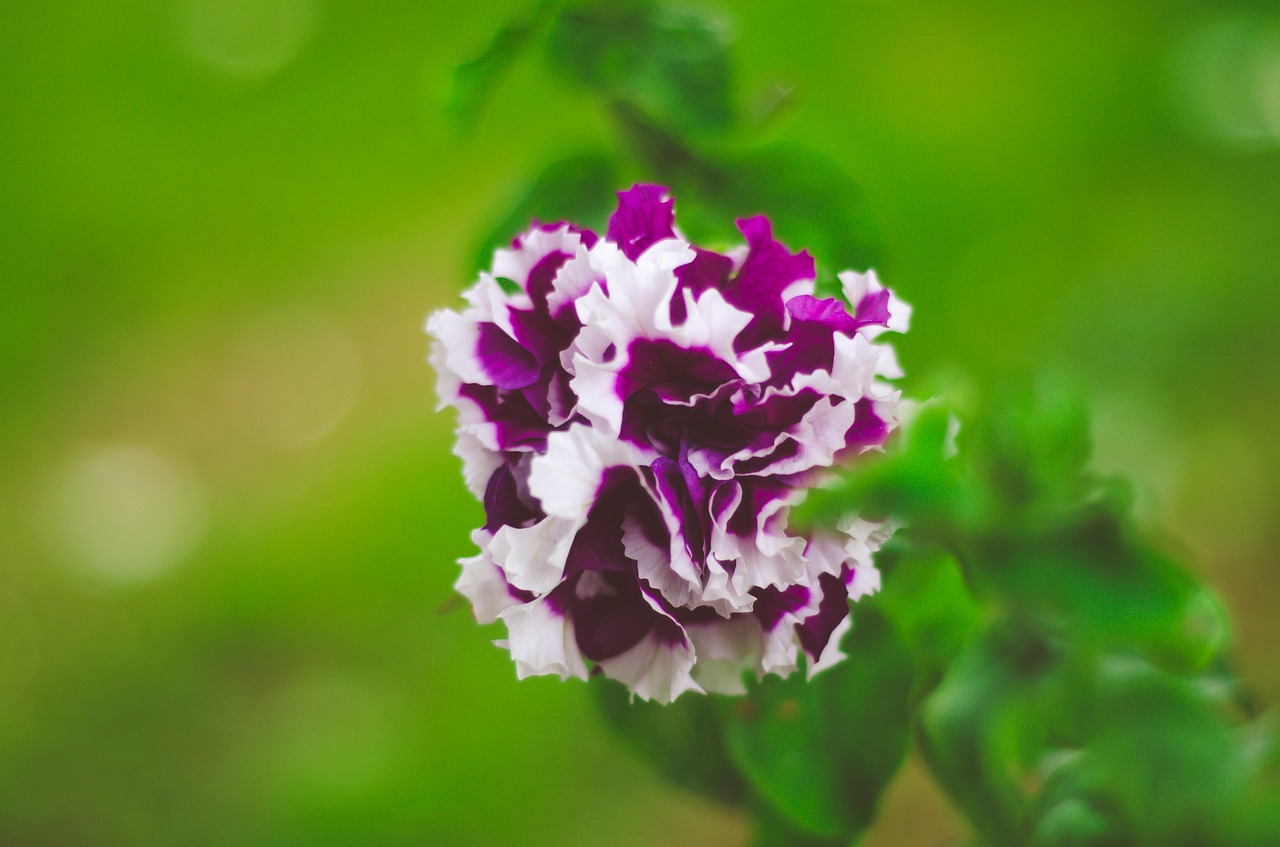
638, 415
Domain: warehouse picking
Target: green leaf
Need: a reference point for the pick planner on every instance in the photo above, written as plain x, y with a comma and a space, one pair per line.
820, 752
475, 80
671, 63
1091, 575
1075, 823
927, 599
579, 189
683, 740
773, 830
975, 728
1168, 759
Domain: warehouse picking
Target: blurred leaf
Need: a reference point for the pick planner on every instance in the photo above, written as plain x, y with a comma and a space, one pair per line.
1091, 575
1075, 823
926, 597
1032, 443
684, 740
671, 63
1167, 758
577, 189
773, 830
973, 727
820, 752
475, 80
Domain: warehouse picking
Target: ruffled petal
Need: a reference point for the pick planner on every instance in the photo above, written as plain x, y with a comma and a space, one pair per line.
638, 415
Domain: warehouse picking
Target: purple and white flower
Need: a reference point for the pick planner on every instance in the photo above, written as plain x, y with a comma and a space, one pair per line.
638, 415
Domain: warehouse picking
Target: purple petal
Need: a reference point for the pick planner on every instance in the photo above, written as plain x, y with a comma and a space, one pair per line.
707, 270
769, 270
645, 216
502, 503
543, 274
614, 619
830, 312
773, 603
816, 630
686, 494
509, 365
517, 423
868, 428
598, 545
873, 308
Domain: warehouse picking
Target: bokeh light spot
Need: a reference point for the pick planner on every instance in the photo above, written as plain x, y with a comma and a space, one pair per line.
125, 513
1228, 72
247, 38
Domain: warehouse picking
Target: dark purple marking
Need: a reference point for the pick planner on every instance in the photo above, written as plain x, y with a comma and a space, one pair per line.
769, 269
502, 503
772, 603
815, 631
686, 494
539, 336
707, 270
757, 492
874, 308
518, 424
657, 381
509, 365
598, 544
830, 312
613, 620
542, 275
868, 428
788, 449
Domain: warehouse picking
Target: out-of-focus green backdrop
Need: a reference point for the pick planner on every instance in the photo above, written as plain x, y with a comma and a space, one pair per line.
230, 514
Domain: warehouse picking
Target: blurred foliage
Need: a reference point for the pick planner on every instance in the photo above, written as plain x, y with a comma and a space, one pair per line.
1097, 707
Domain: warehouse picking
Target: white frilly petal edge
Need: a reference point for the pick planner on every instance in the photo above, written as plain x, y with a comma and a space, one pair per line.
535, 245
638, 305
726, 650
856, 286
481, 582
541, 642
654, 670
533, 557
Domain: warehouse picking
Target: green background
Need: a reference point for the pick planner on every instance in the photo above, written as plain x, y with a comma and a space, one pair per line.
230, 513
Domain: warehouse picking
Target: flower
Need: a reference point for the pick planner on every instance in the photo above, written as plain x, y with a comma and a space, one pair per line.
638, 415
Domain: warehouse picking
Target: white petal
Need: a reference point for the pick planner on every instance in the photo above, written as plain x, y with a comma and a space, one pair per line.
574, 279
856, 286
478, 462
726, 649
866, 580
481, 582
541, 642
654, 670
533, 557
535, 245
459, 338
